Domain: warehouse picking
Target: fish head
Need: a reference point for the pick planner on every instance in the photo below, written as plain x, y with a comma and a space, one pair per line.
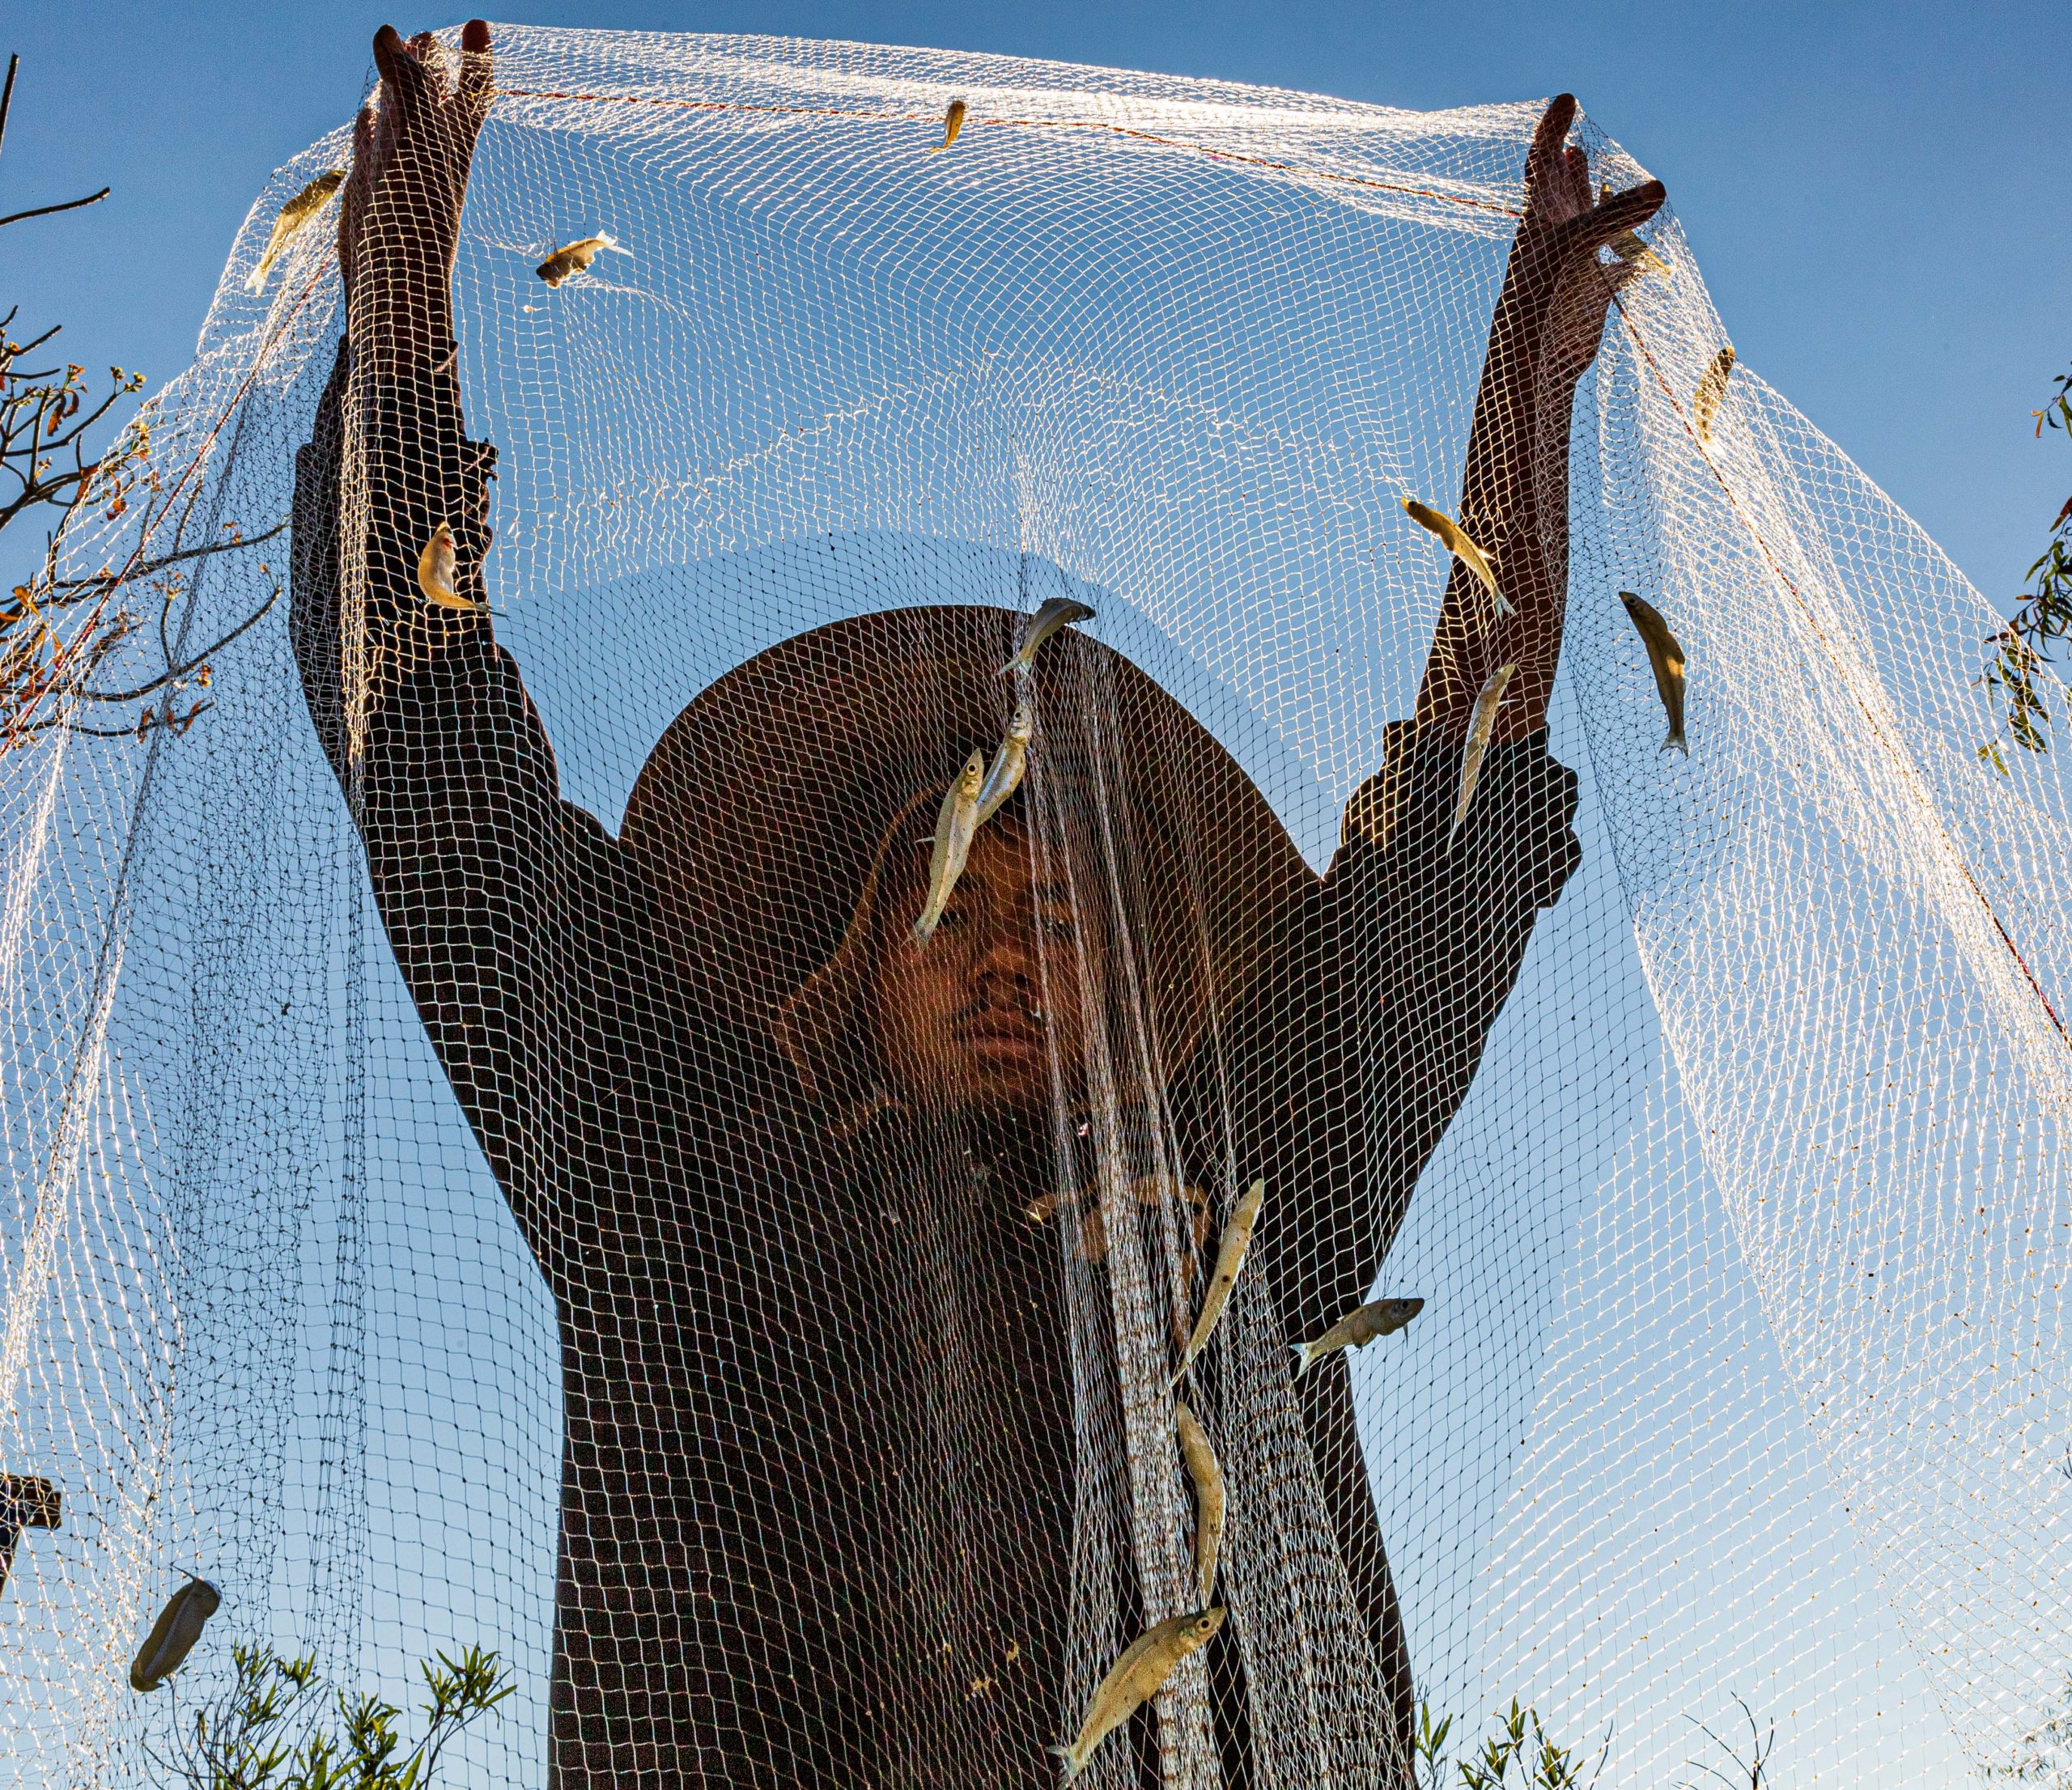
1202, 1625
1394, 1313
1645, 614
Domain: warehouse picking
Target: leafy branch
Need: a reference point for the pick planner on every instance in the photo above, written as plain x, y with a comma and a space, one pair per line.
57, 634
2045, 1756
1519, 1739
2022, 648
274, 1729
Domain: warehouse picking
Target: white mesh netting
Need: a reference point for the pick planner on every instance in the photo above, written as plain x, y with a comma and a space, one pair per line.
442, 1217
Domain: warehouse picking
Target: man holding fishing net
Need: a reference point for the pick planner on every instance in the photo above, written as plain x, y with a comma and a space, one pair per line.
871, 1259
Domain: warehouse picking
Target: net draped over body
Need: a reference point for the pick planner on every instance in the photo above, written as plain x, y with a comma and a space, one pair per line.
747, 1367
769, 1422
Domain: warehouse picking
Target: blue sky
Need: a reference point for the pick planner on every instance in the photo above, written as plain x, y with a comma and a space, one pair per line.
1877, 194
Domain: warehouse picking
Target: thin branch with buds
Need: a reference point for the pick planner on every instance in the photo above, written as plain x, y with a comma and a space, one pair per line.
57, 632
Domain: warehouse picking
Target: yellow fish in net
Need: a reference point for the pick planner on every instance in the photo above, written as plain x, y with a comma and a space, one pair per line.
1711, 394
289, 220
1136, 1678
438, 573
1480, 728
1456, 541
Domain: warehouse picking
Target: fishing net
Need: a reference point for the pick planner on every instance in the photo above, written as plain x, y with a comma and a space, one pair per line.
492, 1169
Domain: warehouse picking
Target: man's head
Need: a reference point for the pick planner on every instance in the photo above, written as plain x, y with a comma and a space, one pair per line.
991, 1012
783, 826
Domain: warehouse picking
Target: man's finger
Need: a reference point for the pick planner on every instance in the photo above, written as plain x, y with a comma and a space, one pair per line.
1575, 169
361, 178
1540, 159
401, 73
430, 56
1623, 211
387, 54
360, 183
477, 69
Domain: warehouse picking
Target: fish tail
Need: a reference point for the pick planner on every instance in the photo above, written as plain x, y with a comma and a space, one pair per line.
1063, 1755
1300, 1351
1676, 739
1505, 606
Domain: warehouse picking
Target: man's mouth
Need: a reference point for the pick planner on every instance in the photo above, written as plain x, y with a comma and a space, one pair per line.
996, 1030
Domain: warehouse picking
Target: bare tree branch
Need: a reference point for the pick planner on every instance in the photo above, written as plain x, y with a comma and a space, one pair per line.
151, 567
7, 105
172, 674
45, 210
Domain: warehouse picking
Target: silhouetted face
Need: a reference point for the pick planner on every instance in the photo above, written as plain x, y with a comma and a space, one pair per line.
977, 1015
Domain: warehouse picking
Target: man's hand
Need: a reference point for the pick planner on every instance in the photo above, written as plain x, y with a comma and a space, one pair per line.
1556, 290
400, 222
1514, 492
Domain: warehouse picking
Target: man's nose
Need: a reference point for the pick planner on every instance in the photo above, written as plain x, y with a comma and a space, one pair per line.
1005, 965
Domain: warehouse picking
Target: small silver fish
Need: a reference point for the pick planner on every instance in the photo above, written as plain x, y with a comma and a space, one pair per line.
575, 257
1009, 763
1060, 612
1356, 1329
1479, 729
952, 123
1456, 540
956, 820
1229, 1262
1207, 1474
1711, 394
1135, 1678
289, 220
1666, 658
438, 573
173, 1636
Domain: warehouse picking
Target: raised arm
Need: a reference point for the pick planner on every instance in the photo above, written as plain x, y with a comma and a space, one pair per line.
508, 910
1515, 489
1359, 1044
